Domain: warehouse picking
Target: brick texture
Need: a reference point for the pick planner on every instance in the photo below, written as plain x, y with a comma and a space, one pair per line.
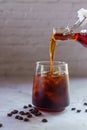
25, 31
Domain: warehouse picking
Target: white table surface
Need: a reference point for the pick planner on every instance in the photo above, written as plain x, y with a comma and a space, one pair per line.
14, 94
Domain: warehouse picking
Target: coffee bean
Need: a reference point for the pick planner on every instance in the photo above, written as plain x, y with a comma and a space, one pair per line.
14, 112
29, 115
73, 108
29, 105
25, 107
17, 116
38, 114
31, 110
85, 103
26, 113
20, 118
1, 125
85, 110
22, 113
36, 110
26, 119
78, 111
9, 114
44, 120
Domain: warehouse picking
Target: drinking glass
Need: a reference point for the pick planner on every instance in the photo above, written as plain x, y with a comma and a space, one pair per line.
51, 89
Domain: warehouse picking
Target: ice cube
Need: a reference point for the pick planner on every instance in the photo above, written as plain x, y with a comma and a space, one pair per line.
56, 73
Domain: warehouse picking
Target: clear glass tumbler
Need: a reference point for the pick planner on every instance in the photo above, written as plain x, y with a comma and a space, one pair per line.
51, 89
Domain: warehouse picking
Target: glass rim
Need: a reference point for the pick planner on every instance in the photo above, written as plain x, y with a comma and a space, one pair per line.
59, 29
55, 63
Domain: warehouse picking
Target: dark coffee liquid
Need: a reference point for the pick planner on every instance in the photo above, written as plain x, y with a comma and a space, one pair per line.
50, 92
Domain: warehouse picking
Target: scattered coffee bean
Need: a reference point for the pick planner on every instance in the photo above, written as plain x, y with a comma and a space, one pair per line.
22, 113
44, 120
38, 114
17, 116
20, 118
73, 108
1, 125
26, 113
29, 105
31, 110
9, 114
29, 115
78, 111
14, 112
26, 119
85, 110
36, 110
85, 103
25, 107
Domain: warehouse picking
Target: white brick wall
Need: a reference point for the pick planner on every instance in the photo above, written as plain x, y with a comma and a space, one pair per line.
25, 31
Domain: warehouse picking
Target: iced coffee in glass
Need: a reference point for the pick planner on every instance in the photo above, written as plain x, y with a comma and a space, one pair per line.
51, 88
